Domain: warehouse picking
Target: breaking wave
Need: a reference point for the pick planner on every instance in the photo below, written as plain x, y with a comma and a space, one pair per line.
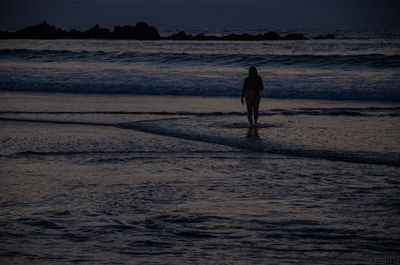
343, 61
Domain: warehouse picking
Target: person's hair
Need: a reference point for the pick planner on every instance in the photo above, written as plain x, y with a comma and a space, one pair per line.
252, 71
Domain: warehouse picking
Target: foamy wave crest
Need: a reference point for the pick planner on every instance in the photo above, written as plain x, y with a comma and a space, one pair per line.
337, 60
208, 88
343, 70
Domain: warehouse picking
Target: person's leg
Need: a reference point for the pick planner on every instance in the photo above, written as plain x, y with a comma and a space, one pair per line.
255, 106
250, 113
249, 105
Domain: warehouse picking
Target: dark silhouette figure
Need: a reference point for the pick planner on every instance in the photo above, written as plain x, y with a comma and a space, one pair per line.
252, 86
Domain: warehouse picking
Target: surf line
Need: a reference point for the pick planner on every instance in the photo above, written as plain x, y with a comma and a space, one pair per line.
160, 113
58, 122
115, 125
261, 147
243, 144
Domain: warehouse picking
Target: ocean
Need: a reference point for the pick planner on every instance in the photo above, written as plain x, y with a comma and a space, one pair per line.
139, 152
363, 68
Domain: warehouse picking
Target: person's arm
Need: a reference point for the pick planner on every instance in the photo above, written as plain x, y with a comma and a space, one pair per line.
243, 89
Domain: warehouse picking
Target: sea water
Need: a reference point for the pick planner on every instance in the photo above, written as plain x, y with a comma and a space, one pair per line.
353, 66
127, 168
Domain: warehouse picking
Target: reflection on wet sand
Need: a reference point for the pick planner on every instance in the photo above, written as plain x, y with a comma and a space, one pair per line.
252, 132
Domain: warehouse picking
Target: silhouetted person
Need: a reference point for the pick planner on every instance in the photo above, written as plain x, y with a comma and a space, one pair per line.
252, 86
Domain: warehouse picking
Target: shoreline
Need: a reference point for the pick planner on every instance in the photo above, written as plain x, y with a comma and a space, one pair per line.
121, 94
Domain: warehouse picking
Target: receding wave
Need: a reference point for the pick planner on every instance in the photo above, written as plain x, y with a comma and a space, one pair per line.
352, 112
270, 148
213, 88
153, 127
337, 60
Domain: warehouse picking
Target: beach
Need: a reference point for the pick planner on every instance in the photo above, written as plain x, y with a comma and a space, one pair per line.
119, 178
140, 152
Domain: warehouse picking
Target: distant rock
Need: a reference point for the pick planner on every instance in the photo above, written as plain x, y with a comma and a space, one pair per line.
6, 35
75, 34
141, 31
180, 36
40, 31
96, 32
295, 36
231, 37
200, 36
271, 36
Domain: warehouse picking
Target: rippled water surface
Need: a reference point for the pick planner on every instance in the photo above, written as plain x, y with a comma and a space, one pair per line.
356, 65
179, 180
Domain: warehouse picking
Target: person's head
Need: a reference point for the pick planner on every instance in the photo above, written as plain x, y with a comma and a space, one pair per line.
252, 71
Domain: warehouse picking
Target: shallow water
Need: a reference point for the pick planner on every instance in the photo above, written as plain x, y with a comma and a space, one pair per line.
115, 179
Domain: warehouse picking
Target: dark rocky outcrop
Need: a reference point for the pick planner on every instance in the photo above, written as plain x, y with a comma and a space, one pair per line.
141, 31
235, 37
295, 36
180, 36
200, 36
271, 36
39, 31
96, 32
6, 35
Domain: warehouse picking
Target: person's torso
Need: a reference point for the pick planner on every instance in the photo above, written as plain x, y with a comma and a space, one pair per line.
253, 84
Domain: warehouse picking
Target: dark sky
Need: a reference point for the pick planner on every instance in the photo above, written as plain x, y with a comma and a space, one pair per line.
203, 14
